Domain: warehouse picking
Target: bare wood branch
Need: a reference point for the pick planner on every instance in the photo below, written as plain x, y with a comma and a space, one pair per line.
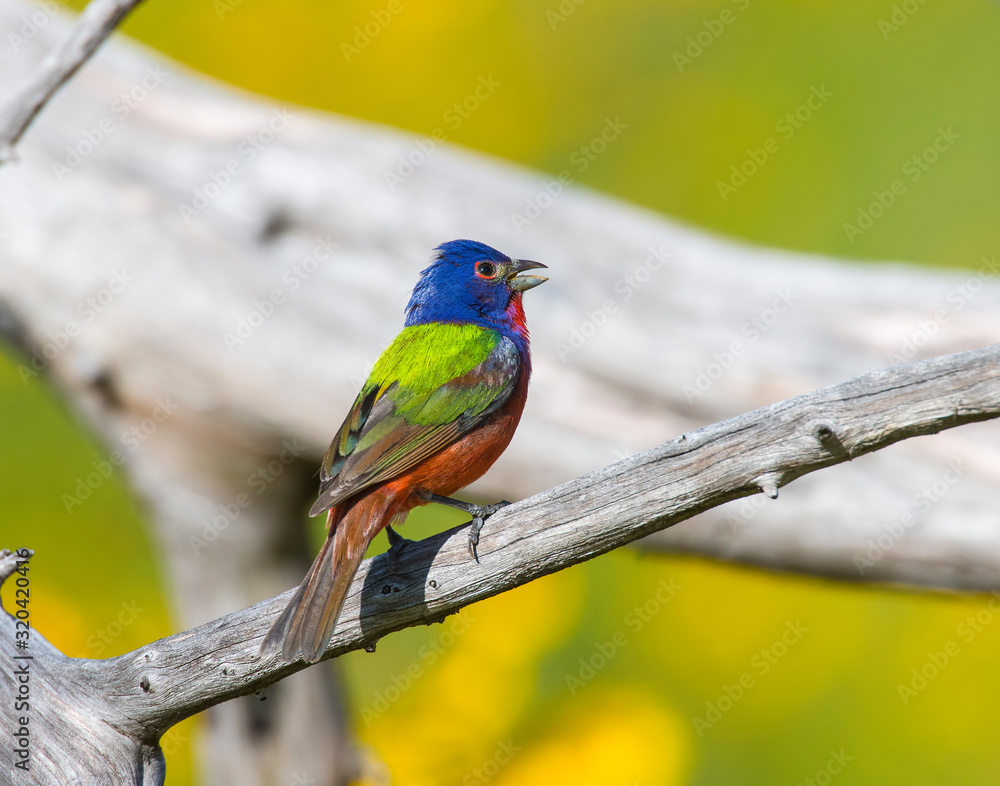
94, 25
141, 694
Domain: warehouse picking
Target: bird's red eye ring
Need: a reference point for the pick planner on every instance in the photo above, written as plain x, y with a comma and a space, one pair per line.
486, 269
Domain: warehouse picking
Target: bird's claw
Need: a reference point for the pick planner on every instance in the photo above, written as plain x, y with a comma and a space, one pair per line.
477, 524
479, 515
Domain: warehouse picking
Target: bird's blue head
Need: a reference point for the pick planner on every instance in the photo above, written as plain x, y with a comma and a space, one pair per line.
470, 282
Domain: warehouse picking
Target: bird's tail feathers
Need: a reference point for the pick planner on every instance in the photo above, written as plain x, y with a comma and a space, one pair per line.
306, 625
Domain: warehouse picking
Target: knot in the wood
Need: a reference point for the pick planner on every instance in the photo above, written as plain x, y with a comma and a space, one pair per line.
823, 431
391, 588
144, 684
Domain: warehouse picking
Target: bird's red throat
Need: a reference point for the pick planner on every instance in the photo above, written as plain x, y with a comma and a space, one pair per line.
515, 313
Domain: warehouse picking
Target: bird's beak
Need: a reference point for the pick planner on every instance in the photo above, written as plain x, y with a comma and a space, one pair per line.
523, 283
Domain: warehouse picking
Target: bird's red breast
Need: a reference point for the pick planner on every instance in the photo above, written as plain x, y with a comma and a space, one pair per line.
467, 459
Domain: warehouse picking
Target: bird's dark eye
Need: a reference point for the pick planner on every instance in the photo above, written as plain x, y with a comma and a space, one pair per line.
486, 269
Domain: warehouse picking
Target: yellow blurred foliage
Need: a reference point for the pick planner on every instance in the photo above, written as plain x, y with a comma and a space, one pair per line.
619, 736
60, 618
470, 697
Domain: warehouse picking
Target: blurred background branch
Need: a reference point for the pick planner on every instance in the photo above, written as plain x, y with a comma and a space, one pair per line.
92, 26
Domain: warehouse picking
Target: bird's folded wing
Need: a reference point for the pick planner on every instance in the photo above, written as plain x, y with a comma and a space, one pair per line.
423, 394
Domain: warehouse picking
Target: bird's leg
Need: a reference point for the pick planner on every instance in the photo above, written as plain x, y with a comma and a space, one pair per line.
479, 514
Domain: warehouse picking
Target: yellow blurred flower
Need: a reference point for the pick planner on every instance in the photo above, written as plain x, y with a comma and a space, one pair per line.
615, 737
471, 690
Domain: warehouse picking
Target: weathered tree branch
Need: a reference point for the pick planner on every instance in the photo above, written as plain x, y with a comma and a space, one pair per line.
139, 695
94, 25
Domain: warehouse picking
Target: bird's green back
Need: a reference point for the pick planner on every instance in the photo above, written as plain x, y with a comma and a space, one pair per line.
433, 383
420, 368
425, 357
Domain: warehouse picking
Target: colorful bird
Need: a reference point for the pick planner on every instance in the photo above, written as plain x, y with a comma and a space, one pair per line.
440, 406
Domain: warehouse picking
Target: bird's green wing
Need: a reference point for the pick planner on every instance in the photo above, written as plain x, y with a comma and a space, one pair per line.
434, 383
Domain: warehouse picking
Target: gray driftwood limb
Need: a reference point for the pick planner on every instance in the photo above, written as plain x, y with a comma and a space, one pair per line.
92, 27
100, 721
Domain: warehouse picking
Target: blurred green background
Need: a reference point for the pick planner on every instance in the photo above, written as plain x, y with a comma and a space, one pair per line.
701, 87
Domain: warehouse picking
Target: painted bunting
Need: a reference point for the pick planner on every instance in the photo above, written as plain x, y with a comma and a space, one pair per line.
440, 406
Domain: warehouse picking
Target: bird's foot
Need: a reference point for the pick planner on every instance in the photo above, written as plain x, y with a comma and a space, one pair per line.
479, 515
